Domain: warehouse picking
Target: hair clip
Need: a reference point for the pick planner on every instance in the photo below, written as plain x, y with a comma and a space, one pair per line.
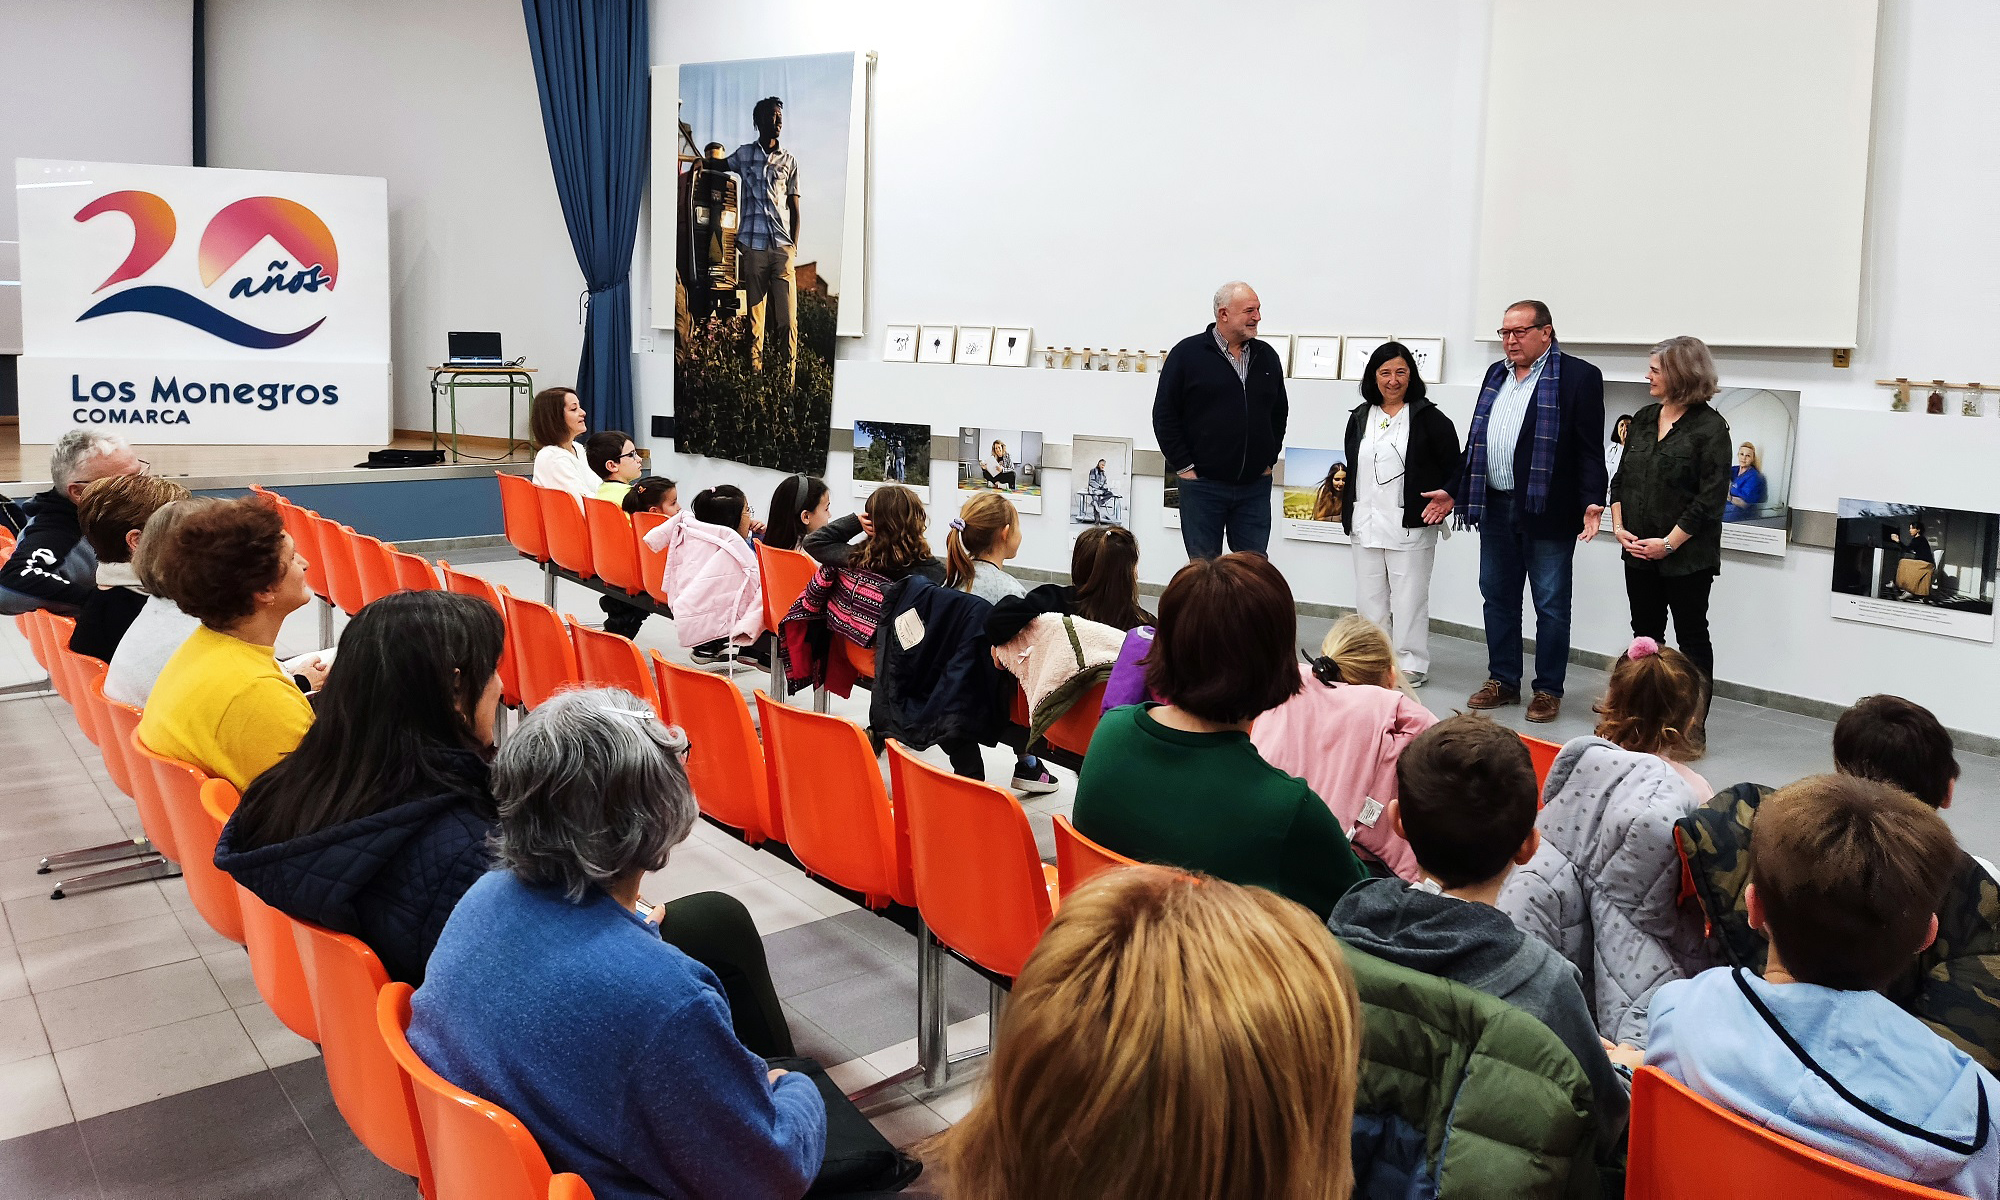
625, 712
1324, 669
958, 523
1642, 647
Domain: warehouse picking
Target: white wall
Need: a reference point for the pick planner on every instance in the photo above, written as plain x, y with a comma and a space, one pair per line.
439, 98
1095, 170
92, 82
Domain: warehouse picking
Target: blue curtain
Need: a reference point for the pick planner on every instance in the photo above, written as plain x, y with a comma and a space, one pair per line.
591, 59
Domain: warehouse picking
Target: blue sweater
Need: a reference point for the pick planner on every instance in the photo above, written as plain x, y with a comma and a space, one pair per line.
1705, 1034
612, 1047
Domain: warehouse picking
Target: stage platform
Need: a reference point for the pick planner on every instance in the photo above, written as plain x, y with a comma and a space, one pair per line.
445, 505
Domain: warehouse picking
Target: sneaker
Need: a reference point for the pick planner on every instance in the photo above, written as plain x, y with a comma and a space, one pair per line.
711, 652
1037, 781
1416, 679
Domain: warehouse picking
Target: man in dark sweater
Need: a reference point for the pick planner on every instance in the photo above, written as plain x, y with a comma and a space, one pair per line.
1466, 802
1219, 415
52, 566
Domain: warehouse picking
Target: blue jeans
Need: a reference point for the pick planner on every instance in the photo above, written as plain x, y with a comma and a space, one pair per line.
1509, 557
1209, 508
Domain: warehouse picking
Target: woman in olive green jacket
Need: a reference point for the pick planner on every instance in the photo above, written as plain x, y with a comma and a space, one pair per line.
1667, 501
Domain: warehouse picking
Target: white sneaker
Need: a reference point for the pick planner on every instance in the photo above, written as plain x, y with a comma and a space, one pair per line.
1416, 679
1040, 783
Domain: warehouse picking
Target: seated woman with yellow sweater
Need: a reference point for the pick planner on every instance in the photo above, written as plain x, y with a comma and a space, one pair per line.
222, 703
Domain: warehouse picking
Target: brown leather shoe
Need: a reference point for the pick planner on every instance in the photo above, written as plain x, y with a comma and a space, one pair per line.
1494, 694
1544, 707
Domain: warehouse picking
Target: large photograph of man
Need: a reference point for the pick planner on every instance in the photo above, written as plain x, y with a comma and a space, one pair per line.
764, 148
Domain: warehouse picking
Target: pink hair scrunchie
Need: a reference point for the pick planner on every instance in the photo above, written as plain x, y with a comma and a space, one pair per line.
1642, 647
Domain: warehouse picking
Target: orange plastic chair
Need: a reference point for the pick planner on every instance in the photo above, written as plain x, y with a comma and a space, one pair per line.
1732, 1159
414, 573
343, 572
458, 581
1073, 730
124, 724
477, 1150
784, 575
725, 763
981, 884
195, 834
375, 563
305, 536
544, 657
34, 627
568, 537
569, 1187
1543, 755
83, 672
862, 657
61, 664
1078, 858
609, 660
521, 516
117, 760
613, 548
371, 1091
837, 815
652, 563
267, 934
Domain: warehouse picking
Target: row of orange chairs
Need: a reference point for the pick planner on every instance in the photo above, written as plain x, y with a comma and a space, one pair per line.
595, 542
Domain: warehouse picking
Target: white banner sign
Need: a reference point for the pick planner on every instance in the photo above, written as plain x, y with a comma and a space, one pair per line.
203, 306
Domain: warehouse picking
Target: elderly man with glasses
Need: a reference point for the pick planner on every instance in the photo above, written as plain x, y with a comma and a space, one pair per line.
1532, 483
52, 566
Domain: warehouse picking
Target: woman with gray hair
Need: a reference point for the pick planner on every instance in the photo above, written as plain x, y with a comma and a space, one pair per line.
550, 994
1667, 501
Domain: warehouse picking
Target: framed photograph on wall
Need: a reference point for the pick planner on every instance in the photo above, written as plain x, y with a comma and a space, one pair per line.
936, 343
1316, 356
1011, 345
1354, 352
1430, 357
892, 452
1282, 343
1915, 567
1008, 461
975, 345
1314, 479
899, 343
1100, 482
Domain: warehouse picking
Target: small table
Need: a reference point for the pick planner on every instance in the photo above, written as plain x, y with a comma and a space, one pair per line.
450, 379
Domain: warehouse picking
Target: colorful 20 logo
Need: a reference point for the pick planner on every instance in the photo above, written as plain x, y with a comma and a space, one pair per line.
229, 235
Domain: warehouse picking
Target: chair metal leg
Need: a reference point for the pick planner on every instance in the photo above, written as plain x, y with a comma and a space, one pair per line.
996, 1000
933, 1066
776, 688
91, 856
819, 700
549, 584
325, 623
34, 687
154, 867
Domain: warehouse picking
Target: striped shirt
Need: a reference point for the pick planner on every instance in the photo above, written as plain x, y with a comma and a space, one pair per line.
1503, 424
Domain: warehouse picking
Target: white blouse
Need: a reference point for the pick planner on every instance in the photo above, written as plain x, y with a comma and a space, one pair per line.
565, 469
1378, 486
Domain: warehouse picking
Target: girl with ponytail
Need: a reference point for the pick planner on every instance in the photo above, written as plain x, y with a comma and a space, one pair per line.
1654, 703
984, 535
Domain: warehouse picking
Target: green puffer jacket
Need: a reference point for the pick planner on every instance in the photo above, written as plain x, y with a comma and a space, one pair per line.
1464, 1096
1953, 987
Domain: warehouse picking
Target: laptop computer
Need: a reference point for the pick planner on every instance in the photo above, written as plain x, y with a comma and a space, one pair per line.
472, 350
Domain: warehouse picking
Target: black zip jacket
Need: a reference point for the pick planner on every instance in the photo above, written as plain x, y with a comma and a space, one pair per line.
52, 566
1430, 462
1228, 430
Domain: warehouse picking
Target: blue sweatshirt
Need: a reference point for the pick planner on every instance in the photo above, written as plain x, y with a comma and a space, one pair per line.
612, 1047
1705, 1034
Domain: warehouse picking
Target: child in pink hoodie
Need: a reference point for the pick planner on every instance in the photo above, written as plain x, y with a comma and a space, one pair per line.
711, 572
1343, 733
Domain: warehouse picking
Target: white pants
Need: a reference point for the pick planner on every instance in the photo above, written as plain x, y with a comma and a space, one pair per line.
1393, 589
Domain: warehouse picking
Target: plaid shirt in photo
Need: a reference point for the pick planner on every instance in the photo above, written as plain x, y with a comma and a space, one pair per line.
768, 182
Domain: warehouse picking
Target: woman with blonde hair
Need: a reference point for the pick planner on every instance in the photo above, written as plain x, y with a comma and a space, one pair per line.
1668, 499
1344, 733
1173, 1037
1747, 488
983, 536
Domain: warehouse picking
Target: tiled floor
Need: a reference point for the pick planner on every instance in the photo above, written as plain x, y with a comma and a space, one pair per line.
136, 1058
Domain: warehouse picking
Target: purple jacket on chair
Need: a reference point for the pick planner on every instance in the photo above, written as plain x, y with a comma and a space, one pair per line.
1127, 684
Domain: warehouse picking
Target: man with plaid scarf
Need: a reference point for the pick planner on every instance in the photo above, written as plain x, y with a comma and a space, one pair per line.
1532, 483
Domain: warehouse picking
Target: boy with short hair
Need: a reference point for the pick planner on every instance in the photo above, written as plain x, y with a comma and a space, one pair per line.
1846, 875
616, 461
1466, 803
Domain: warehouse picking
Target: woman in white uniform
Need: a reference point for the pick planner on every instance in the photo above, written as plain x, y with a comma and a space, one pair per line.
1402, 451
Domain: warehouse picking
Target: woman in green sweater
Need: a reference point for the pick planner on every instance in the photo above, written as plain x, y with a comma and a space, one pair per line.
1179, 783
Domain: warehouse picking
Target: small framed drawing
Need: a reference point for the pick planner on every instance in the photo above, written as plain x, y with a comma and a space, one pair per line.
1354, 353
899, 343
935, 343
1316, 357
1430, 357
1282, 343
975, 345
1011, 345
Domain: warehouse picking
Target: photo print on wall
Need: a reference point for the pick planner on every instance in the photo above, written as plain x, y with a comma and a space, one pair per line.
892, 452
1170, 502
1008, 461
1313, 481
1763, 429
1100, 481
757, 295
1912, 566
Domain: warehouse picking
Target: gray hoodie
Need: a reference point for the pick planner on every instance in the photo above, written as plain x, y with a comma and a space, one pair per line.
1476, 945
